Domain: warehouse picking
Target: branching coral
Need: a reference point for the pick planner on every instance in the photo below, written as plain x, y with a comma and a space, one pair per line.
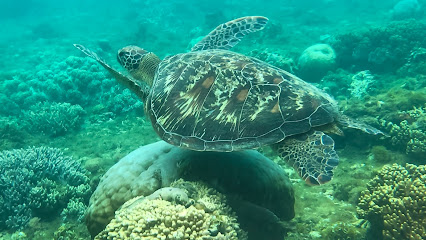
38, 182
395, 202
76, 80
379, 49
151, 218
274, 57
409, 133
53, 119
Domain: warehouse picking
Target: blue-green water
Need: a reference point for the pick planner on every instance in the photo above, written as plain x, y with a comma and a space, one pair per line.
368, 55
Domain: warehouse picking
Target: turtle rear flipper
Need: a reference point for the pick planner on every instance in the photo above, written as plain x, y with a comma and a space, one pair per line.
228, 34
139, 88
351, 123
312, 155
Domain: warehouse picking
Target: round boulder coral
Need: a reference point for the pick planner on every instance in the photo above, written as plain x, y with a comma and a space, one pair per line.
248, 175
315, 62
142, 218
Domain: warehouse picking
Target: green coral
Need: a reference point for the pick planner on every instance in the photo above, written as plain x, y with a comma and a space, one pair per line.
53, 119
416, 64
395, 202
383, 49
274, 57
343, 231
409, 133
382, 155
38, 182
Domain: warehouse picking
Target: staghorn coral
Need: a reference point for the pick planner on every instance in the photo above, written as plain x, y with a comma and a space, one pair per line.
142, 218
395, 202
38, 182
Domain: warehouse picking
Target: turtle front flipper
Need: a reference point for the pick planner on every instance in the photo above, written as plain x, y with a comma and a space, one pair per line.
139, 88
351, 123
227, 35
312, 155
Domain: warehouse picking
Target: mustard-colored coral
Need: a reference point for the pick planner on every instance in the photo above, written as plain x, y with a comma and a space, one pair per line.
409, 133
142, 218
396, 202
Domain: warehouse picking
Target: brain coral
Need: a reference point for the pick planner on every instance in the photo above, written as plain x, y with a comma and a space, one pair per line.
149, 168
147, 218
395, 202
316, 61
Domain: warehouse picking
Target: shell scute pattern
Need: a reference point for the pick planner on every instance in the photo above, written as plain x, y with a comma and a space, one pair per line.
218, 100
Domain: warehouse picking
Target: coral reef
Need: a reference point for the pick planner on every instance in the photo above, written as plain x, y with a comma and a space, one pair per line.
261, 184
416, 65
315, 62
188, 210
140, 173
395, 202
39, 182
11, 133
405, 9
142, 218
382, 155
53, 119
342, 231
274, 57
76, 80
409, 133
337, 83
360, 83
379, 49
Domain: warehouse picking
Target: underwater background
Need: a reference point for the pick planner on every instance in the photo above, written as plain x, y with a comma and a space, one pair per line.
64, 121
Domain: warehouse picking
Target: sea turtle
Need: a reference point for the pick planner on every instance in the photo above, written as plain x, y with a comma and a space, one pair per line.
212, 99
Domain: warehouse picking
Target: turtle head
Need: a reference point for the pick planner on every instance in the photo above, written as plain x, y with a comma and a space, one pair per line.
140, 63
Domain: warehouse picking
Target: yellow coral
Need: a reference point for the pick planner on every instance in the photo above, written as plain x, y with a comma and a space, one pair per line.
141, 218
409, 133
396, 200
